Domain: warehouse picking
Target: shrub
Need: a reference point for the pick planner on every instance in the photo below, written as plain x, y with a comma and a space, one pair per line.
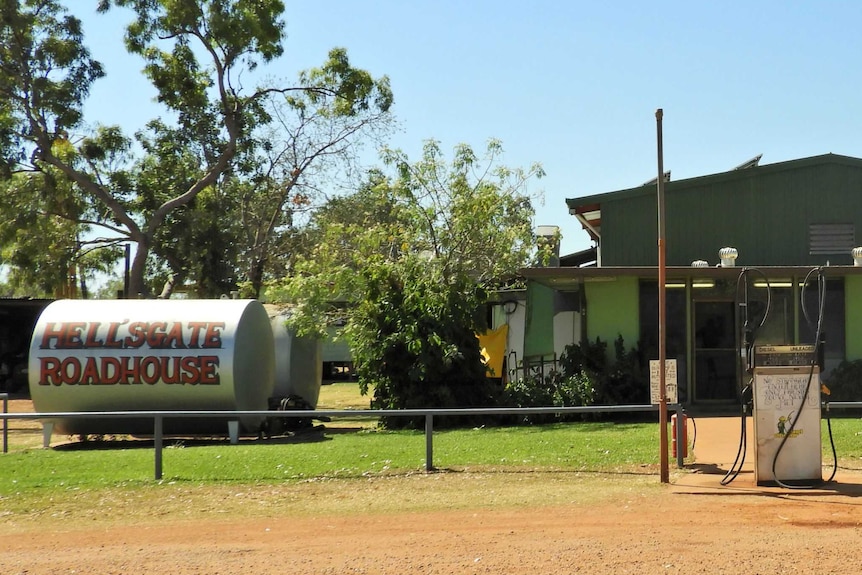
583, 376
414, 344
845, 381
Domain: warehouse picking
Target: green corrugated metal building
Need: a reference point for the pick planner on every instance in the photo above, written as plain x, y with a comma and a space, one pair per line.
783, 219
783, 214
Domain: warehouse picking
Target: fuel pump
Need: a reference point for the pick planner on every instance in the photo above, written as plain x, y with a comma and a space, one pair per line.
783, 395
786, 384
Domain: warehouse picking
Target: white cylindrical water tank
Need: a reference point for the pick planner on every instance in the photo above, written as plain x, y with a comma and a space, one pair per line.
298, 364
151, 355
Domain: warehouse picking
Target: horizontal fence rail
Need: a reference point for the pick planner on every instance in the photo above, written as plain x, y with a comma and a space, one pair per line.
158, 418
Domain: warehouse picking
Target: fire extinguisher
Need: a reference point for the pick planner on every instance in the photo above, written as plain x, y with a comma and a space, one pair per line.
684, 439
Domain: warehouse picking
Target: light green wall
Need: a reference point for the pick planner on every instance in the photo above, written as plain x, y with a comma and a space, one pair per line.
853, 315
539, 332
612, 310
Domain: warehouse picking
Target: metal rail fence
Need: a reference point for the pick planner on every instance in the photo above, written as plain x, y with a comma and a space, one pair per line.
233, 417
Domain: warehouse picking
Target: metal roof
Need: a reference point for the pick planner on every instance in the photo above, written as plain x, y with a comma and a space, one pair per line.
593, 202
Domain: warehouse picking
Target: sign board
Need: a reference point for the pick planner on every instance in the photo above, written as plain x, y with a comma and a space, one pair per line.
669, 381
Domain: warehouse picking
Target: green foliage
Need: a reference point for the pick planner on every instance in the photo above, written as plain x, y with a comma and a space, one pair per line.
355, 91
473, 215
625, 381
557, 389
44, 252
194, 53
584, 377
41, 52
845, 381
588, 357
413, 341
315, 135
410, 255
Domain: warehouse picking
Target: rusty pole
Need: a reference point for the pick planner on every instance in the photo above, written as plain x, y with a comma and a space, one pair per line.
662, 312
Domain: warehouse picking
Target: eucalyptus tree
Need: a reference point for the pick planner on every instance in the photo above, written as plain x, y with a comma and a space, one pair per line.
194, 54
311, 139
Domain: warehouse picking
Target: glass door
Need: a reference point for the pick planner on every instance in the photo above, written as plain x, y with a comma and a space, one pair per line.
715, 351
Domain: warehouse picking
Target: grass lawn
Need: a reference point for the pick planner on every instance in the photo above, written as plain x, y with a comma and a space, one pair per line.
357, 449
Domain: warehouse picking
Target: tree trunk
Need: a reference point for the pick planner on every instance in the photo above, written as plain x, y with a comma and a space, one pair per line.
255, 276
137, 287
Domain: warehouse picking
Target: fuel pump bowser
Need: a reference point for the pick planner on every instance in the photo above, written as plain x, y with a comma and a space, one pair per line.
786, 410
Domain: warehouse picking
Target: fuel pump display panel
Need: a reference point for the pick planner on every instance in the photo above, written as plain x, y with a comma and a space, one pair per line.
784, 355
787, 424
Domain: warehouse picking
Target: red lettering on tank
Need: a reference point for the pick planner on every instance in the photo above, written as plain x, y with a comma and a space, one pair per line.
110, 370
156, 335
150, 372
70, 370
137, 334
191, 374
111, 340
49, 371
170, 369
49, 333
174, 339
90, 373
130, 370
92, 332
212, 339
194, 337
209, 370
67, 335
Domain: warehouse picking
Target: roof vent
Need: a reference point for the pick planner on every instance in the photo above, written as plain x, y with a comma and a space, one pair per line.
700, 264
655, 180
752, 163
728, 257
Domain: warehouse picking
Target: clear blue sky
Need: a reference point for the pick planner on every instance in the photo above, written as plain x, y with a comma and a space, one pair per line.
574, 85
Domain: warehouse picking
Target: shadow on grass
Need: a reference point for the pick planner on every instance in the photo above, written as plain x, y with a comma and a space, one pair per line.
110, 442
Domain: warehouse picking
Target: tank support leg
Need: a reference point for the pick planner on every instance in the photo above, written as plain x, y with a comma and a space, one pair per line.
233, 431
47, 432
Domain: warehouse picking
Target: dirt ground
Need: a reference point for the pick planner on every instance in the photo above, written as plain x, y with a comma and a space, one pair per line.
694, 525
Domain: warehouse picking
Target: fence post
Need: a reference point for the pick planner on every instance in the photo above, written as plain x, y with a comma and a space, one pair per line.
429, 443
157, 443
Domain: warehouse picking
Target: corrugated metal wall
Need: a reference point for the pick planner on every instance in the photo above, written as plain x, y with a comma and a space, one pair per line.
764, 212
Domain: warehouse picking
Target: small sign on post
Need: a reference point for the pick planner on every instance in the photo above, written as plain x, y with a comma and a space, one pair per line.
669, 381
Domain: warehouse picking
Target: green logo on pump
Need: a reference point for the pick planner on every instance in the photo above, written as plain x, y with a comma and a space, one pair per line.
782, 425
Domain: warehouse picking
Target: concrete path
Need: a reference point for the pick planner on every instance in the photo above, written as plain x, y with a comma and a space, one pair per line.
716, 443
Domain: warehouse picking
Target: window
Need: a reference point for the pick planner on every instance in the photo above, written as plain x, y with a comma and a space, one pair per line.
832, 327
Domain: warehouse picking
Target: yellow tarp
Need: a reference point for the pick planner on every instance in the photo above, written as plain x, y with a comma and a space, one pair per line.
493, 346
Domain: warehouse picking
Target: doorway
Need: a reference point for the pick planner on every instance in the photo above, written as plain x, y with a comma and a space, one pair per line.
715, 352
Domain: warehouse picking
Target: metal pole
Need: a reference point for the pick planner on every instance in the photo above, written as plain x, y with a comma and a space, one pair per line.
5, 423
429, 443
662, 323
157, 443
681, 439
